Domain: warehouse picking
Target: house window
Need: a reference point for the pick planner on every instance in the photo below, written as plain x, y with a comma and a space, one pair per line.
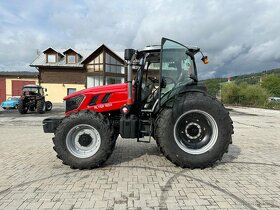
110, 60
51, 58
71, 90
114, 80
113, 66
95, 68
115, 69
71, 58
94, 81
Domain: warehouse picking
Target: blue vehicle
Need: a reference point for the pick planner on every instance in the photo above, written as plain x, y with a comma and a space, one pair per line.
11, 103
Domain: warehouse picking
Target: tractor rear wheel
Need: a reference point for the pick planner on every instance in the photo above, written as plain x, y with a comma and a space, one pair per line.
84, 140
41, 106
21, 107
196, 132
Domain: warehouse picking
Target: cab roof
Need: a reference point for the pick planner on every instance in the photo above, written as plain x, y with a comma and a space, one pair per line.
157, 48
32, 86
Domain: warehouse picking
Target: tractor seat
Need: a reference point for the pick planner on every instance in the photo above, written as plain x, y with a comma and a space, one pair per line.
152, 99
146, 91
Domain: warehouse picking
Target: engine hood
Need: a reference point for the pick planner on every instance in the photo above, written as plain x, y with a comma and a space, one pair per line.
99, 90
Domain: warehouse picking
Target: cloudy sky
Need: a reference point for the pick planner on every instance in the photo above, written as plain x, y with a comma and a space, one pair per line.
239, 36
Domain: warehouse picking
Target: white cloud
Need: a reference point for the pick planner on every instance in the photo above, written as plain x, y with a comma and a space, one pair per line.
238, 36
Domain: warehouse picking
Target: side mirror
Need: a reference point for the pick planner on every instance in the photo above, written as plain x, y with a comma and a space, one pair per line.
128, 53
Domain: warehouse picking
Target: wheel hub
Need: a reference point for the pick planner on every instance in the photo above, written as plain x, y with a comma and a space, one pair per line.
193, 130
85, 140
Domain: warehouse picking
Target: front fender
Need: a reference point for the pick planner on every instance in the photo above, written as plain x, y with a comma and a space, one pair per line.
50, 124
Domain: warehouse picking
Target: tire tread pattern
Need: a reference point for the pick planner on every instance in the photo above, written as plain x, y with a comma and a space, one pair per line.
41, 106
21, 107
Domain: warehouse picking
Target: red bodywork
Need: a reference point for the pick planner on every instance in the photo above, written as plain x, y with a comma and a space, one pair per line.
116, 100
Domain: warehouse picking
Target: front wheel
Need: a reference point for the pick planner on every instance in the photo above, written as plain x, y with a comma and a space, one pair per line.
84, 140
196, 132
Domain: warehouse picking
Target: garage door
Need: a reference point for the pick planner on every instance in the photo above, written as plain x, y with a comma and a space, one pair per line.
17, 86
2, 90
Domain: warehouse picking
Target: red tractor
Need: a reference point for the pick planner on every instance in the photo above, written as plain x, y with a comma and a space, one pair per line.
191, 128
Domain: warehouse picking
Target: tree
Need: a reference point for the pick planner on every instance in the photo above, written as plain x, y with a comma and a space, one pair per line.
213, 86
272, 84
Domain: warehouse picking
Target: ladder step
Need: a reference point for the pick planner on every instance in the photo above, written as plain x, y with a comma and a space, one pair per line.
146, 122
147, 110
145, 132
144, 141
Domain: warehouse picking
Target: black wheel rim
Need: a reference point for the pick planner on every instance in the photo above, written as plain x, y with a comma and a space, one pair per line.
196, 132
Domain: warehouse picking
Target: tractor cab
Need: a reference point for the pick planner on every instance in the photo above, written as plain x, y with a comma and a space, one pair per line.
163, 71
32, 90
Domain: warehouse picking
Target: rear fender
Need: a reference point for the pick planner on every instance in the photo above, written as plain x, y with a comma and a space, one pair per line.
168, 100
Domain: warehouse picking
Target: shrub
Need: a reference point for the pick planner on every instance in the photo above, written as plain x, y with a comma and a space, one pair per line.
244, 94
230, 93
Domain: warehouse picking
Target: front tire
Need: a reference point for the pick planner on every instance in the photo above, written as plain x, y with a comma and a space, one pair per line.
84, 140
196, 132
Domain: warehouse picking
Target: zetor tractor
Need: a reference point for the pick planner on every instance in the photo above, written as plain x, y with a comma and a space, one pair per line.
191, 128
32, 98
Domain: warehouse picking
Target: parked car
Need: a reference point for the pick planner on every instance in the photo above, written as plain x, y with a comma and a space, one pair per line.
275, 99
11, 103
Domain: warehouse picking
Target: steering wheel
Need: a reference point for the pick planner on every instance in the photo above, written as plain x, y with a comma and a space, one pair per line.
153, 79
171, 79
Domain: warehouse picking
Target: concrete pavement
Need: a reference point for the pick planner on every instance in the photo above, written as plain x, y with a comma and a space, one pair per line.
137, 175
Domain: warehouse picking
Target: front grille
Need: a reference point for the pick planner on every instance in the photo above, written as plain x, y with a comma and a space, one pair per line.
74, 103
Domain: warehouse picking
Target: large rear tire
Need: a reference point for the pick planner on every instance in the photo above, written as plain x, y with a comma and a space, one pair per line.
21, 107
84, 140
48, 106
196, 132
41, 106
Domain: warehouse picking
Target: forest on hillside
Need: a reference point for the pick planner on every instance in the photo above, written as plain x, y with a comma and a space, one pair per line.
248, 89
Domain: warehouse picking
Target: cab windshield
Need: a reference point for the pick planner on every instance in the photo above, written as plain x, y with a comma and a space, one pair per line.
177, 67
32, 91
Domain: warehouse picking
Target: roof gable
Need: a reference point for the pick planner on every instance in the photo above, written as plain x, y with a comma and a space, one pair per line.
51, 50
98, 51
71, 51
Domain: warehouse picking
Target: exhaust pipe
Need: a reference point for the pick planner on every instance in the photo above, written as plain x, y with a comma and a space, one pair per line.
129, 55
